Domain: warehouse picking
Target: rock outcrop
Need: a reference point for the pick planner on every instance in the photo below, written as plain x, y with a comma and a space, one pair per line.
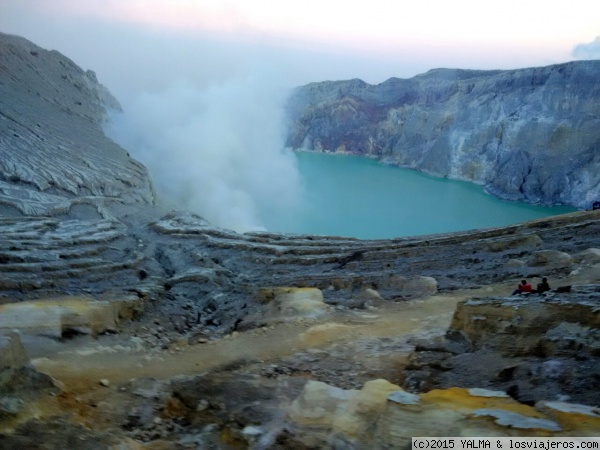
534, 347
529, 134
63, 316
381, 415
55, 158
20, 384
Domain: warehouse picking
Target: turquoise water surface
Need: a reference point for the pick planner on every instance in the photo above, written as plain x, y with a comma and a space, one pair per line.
359, 197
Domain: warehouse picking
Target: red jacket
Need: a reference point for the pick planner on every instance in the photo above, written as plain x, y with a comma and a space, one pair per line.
524, 287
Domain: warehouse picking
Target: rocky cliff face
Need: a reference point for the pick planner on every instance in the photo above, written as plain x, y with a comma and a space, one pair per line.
54, 154
529, 134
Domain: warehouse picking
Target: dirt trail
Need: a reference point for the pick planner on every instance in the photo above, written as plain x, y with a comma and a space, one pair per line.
80, 365
82, 362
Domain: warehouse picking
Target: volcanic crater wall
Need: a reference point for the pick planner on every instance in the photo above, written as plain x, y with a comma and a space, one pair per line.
54, 155
529, 134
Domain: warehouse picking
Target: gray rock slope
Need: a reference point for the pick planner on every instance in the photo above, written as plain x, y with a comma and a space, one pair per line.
529, 134
54, 156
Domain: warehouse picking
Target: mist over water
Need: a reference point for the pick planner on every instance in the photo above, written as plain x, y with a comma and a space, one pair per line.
217, 151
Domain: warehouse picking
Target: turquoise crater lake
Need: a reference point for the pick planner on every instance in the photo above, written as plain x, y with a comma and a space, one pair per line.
358, 197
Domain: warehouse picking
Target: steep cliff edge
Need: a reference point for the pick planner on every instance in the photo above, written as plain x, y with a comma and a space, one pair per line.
54, 154
529, 134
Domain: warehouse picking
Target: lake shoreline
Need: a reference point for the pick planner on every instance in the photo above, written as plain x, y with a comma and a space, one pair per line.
362, 197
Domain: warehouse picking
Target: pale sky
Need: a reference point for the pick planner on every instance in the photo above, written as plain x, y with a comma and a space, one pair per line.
144, 43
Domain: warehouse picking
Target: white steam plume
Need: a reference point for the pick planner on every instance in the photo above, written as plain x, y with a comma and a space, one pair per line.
588, 50
218, 152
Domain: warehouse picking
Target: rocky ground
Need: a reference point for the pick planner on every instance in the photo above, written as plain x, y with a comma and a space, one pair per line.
295, 374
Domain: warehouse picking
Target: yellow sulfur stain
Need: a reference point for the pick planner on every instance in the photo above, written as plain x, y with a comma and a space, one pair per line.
461, 399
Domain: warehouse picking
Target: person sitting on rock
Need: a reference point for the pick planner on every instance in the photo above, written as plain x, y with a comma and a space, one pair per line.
523, 288
543, 286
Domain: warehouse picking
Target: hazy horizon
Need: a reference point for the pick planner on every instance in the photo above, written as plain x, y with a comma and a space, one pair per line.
202, 82
144, 45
